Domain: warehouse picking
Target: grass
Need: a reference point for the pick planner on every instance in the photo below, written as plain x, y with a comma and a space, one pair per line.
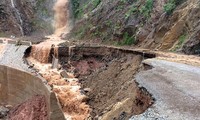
2, 34
181, 40
127, 39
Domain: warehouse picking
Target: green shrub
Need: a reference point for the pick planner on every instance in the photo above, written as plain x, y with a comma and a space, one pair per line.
147, 8
181, 40
132, 10
96, 3
75, 8
127, 39
169, 7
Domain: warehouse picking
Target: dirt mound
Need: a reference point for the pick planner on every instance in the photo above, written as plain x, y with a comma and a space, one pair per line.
32, 109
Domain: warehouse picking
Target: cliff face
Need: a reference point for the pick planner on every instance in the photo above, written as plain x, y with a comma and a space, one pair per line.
155, 24
23, 17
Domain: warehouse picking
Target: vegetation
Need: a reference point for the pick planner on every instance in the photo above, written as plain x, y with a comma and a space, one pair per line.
2, 34
96, 3
147, 8
171, 5
127, 39
132, 10
181, 39
76, 8
41, 9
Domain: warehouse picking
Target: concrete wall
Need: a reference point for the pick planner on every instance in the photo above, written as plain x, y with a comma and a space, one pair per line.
17, 86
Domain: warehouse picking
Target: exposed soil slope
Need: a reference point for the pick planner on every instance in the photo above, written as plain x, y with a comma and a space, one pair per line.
110, 87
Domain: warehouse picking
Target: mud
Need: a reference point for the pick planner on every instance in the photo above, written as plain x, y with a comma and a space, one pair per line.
32, 109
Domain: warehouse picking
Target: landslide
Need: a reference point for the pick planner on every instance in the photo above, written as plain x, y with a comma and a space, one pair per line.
106, 77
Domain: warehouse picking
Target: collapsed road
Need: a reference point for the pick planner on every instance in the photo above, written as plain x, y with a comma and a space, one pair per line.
172, 86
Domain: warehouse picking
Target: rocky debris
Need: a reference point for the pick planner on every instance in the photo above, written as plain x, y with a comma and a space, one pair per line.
149, 114
3, 112
65, 74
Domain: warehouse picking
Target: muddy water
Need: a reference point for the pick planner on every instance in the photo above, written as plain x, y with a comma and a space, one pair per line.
45, 51
41, 53
62, 17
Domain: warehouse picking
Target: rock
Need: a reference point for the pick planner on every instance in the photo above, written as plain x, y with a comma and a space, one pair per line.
3, 111
66, 74
86, 90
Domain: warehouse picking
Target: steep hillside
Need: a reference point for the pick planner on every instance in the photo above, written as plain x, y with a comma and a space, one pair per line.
23, 17
171, 25
155, 24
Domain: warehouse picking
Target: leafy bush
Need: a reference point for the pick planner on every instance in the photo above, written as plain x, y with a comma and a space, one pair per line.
147, 8
75, 8
96, 3
132, 10
127, 39
169, 7
181, 40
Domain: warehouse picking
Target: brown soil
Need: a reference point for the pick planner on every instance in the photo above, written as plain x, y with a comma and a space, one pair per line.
86, 66
33, 109
113, 91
